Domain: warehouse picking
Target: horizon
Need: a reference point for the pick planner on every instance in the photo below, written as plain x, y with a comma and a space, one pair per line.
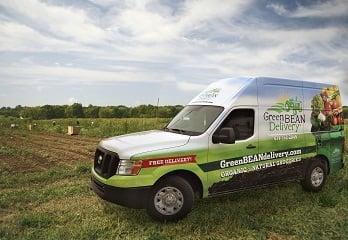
58, 52
128, 106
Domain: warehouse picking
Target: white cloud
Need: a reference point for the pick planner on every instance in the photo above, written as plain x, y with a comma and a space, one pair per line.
189, 86
65, 75
278, 8
200, 11
334, 8
151, 26
69, 23
40, 88
18, 37
105, 3
147, 42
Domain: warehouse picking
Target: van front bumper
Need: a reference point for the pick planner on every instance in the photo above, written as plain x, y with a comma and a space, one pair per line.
135, 197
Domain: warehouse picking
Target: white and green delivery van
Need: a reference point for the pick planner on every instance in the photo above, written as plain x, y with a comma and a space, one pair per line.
238, 133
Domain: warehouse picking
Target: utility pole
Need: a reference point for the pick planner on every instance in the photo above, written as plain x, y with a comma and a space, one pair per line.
157, 109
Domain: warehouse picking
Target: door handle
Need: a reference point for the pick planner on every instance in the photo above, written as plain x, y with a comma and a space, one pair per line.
250, 146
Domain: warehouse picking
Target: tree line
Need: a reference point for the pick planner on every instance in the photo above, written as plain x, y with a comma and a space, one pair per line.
76, 110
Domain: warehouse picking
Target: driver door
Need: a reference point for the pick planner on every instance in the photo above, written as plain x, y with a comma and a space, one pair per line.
229, 165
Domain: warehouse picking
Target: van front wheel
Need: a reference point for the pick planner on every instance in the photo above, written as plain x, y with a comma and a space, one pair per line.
315, 176
171, 199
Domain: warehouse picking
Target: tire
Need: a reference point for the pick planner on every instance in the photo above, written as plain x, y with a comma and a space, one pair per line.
170, 200
315, 176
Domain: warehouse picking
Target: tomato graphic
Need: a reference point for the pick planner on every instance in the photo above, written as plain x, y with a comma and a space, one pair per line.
334, 121
327, 108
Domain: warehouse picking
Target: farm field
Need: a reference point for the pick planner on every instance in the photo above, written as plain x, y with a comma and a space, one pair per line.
100, 127
44, 194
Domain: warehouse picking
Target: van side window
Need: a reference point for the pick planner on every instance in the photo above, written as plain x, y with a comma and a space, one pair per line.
242, 121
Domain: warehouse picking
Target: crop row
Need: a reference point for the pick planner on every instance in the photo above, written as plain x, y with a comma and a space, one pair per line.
89, 127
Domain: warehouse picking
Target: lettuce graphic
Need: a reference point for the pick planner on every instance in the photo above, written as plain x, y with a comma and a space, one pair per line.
317, 105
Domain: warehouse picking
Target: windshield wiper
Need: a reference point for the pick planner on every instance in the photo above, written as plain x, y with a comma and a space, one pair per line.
177, 130
174, 130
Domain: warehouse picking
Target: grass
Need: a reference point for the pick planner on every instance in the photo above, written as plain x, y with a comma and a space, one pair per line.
54, 202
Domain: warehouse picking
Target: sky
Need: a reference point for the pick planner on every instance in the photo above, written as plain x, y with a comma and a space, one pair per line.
113, 52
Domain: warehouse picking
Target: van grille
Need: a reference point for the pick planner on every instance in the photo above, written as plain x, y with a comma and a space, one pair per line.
105, 162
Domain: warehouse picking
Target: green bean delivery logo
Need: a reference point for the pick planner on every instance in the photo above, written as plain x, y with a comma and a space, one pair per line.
285, 116
209, 95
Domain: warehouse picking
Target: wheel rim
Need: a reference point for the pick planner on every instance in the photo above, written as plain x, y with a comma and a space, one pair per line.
317, 176
168, 200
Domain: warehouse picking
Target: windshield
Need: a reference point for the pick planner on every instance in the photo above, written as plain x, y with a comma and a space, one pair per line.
194, 120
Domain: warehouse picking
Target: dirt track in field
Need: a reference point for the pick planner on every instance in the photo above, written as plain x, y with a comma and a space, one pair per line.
31, 151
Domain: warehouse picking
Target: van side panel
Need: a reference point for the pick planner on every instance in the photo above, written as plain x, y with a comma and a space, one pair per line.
281, 122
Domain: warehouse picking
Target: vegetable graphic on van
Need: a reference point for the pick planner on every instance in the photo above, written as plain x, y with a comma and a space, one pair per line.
327, 110
238, 133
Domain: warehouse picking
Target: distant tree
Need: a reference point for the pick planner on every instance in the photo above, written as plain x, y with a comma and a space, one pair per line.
47, 112
177, 109
17, 110
133, 112
164, 112
122, 111
144, 111
6, 111
174, 110
74, 111
106, 112
59, 111
91, 111
32, 112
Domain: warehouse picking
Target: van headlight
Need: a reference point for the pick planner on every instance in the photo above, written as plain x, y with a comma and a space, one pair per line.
128, 167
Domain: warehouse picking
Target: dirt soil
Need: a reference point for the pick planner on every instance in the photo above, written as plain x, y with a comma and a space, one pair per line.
30, 151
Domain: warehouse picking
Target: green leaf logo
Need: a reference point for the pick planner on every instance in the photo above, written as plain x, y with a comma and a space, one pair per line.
210, 94
294, 105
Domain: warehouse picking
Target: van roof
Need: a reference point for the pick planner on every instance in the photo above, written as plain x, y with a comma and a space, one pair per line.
225, 91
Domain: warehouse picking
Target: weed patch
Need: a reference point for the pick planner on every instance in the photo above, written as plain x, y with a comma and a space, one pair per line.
35, 220
328, 200
83, 168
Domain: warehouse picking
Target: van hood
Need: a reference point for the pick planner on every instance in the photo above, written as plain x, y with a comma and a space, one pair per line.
128, 145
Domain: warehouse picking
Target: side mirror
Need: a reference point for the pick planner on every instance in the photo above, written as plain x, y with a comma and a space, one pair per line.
224, 135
